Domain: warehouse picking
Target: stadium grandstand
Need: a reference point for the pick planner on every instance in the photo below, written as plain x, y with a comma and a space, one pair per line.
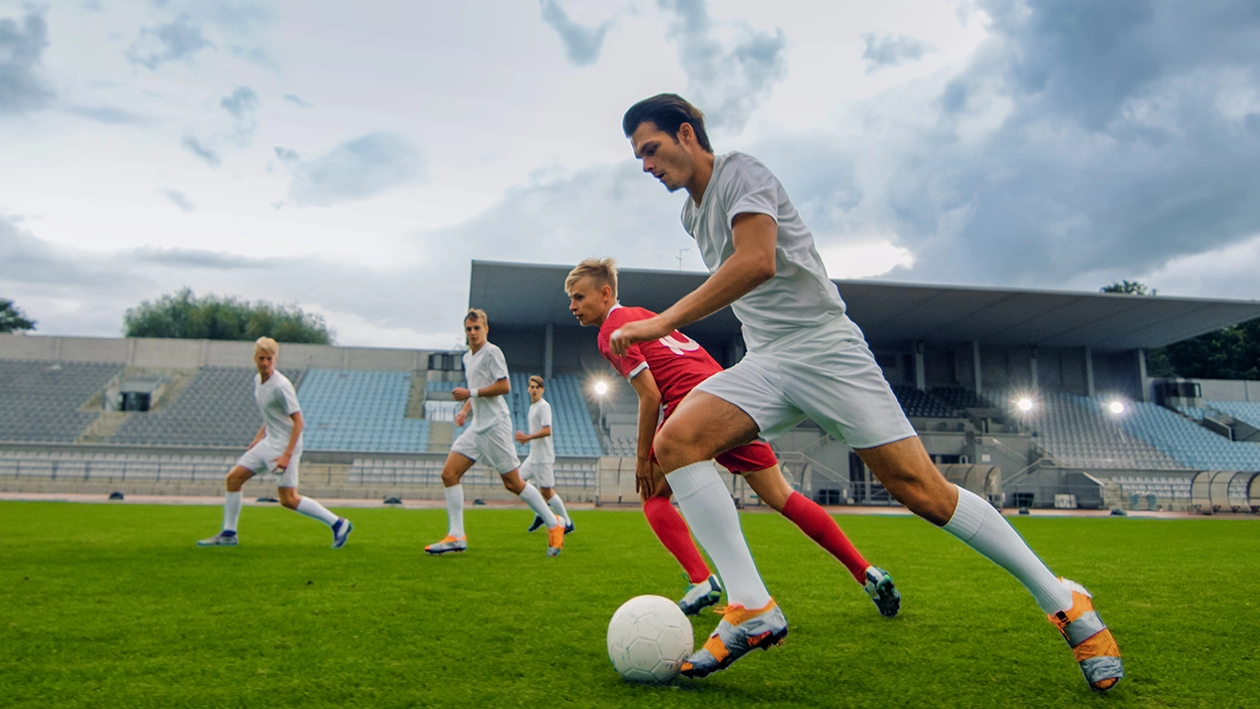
1029, 398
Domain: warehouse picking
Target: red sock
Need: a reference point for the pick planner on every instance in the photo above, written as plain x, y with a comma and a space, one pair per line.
673, 533
819, 526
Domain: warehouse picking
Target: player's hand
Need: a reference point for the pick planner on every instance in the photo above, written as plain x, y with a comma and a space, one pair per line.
460, 418
643, 481
282, 463
520, 437
637, 331
460, 393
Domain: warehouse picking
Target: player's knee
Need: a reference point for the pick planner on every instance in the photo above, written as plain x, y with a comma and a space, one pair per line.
290, 499
450, 478
677, 446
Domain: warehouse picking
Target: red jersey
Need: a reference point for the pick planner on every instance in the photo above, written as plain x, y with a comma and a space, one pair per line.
678, 363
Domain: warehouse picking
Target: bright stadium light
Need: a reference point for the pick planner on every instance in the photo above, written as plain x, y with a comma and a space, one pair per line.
1116, 407
1025, 404
600, 387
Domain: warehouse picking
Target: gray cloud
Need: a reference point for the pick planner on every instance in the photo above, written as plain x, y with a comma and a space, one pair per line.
357, 169
22, 44
581, 43
1084, 142
241, 104
171, 42
107, 114
294, 98
726, 79
206, 153
885, 50
179, 199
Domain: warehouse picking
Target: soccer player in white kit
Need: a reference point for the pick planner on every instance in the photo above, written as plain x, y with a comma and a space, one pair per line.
488, 439
540, 465
276, 451
805, 359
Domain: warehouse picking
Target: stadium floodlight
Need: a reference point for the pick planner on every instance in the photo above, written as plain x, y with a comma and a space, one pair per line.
1116, 407
600, 387
1024, 404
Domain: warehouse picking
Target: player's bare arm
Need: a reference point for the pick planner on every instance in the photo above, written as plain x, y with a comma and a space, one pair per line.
753, 263
522, 437
499, 388
649, 411
294, 436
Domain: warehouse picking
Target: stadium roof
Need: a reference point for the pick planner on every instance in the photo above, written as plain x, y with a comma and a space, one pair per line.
530, 294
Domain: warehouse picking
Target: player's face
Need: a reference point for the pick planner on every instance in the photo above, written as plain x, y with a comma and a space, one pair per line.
266, 363
476, 332
663, 156
588, 303
535, 393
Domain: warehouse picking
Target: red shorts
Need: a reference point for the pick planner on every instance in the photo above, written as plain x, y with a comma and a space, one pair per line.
744, 459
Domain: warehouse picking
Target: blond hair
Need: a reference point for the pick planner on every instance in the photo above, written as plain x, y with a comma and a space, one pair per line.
268, 345
479, 315
537, 380
602, 272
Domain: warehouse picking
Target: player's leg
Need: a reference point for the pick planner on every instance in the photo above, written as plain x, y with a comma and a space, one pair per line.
532, 497
527, 474
813, 520
703, 587
702, 427
309, 507
457, 463
236, 478
545, 479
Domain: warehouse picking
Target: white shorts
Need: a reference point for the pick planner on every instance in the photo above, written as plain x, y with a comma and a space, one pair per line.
493, 447
542, 473
832, 380
262, 460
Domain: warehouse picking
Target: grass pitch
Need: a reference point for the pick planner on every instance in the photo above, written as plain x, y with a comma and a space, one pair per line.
114, 606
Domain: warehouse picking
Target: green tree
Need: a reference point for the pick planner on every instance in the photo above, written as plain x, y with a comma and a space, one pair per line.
1129, 287
183, 315
12, 319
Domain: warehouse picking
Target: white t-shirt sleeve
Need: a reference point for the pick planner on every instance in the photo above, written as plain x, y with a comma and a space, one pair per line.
287, 393
497, 366
544, 420
749, 188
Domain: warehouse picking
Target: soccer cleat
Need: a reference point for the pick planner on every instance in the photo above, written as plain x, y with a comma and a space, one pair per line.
341, 532
448, 545
568, 528
739, 631
700, 595
219, 540
555, 538
538, 522
879, 586
1092, 644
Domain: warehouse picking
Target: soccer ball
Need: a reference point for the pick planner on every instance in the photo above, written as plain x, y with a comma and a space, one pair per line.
648, 639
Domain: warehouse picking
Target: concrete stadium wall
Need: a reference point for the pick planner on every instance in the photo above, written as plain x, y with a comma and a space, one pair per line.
1228, 390
191, 354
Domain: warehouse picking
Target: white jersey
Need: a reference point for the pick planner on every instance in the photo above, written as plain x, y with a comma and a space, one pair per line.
277, 402
799, 297
482, 369
541, 450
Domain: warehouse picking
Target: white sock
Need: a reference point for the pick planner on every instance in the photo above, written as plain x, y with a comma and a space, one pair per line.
708, 509
314, 510
557, 506
455, 510
982, 528
534, 499
231, 510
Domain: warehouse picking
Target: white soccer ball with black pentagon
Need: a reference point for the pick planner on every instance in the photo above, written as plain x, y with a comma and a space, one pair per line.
648, 639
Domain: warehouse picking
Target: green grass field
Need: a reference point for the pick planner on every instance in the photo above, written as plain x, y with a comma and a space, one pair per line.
114, 606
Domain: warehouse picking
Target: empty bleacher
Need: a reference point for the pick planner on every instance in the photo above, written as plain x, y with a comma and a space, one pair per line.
1188, 443
356, 411
917, 403
1246, 411
217, 408
571, 426
961, 398
92, 467
40, 401
1076, 431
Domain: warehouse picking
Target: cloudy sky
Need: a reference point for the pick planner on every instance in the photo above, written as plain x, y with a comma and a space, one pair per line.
354, 158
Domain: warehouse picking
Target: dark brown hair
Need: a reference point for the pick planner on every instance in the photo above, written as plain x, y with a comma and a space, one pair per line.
667, 112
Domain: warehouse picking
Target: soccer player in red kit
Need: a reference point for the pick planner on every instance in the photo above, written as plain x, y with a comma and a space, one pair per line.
663, 372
